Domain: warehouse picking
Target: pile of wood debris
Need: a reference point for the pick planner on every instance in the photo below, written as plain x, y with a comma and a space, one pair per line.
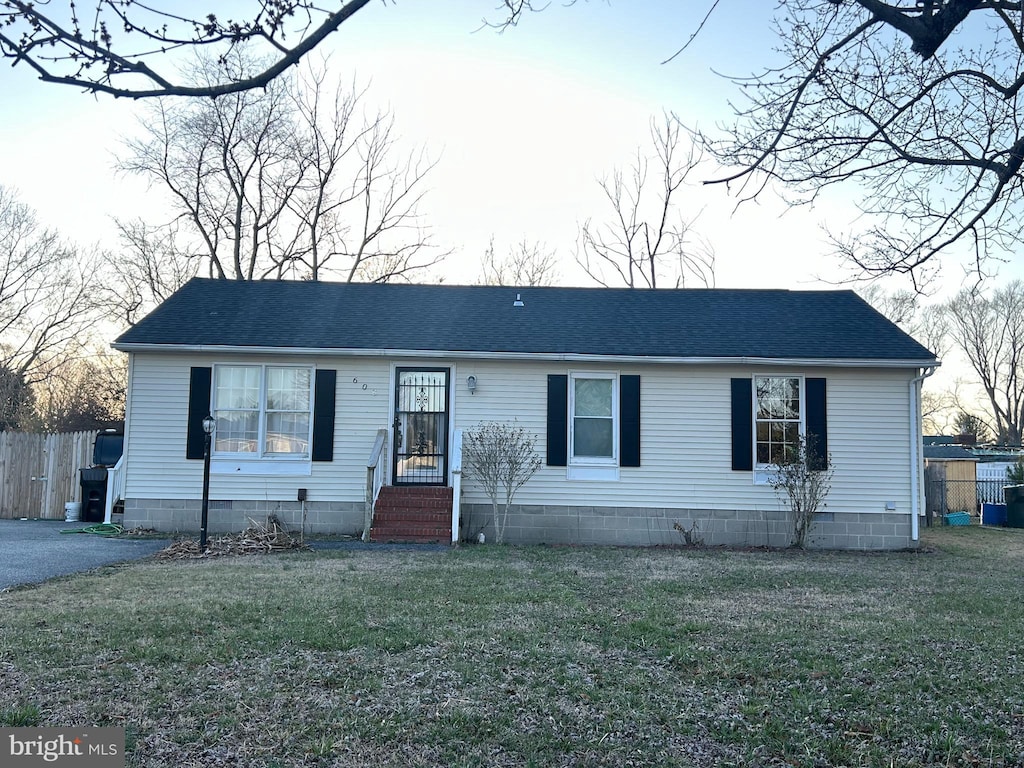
258, 538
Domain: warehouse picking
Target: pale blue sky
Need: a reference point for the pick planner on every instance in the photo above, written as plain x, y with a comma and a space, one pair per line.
524, 123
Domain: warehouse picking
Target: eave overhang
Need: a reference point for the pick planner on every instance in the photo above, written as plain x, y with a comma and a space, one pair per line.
575, 357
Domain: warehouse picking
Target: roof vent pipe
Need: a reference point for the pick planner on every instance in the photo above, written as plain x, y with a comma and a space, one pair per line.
518, 302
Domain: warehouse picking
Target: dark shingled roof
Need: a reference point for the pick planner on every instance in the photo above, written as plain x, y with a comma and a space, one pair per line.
947, 452
689, 323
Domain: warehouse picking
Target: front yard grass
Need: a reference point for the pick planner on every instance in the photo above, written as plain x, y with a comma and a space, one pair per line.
488, 656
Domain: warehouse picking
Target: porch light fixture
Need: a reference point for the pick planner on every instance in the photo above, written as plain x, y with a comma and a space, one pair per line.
208, 425
471, 384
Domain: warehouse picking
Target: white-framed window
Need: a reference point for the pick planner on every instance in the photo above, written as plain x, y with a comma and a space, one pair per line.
262, 410
593, 418
778, 418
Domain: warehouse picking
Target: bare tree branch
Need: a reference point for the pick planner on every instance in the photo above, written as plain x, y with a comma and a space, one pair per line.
871, 96
112, 53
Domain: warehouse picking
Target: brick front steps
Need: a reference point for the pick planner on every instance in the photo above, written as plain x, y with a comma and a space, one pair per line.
413, 513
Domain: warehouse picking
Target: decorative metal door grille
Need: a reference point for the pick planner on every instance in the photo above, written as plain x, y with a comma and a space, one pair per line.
421, 427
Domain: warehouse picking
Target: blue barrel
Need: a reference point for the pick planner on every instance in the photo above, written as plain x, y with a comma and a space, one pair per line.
993, 514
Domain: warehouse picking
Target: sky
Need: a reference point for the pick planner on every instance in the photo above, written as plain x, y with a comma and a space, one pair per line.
524, 123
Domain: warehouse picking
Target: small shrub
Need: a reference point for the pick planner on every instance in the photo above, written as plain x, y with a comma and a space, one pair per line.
690, 535
501, 458
803, 480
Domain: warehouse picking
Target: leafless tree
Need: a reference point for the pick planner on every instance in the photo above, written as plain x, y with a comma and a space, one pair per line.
525, 264
899, 306
17, 402
875, 96
83, 389
989, 330
927, 323
508, 13
48, 294
290, 181
938, 409
648, 242
150, 266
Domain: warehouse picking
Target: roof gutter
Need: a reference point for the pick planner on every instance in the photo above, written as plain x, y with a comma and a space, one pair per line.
576, 357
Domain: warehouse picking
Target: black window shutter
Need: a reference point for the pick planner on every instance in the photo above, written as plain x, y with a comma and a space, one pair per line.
199, 388
558, 420
742, 424
629, 421
324, 387
816, 423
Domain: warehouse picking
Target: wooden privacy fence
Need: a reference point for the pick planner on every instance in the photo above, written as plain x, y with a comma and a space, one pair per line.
39, 473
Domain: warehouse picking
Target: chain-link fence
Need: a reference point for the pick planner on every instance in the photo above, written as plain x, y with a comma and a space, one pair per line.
943, 496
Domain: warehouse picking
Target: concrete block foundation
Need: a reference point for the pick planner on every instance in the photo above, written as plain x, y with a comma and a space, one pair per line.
549, 524
639, 527
182, 515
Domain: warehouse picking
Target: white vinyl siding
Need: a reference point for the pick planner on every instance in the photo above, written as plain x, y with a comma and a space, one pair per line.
685, 433
686, 437
158, 469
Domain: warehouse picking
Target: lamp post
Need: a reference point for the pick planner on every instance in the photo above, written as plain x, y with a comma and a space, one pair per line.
208, 424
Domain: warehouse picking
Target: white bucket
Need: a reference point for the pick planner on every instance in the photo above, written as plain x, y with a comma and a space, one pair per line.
72, 511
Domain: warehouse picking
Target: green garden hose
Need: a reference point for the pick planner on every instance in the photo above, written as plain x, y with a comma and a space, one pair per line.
100, 529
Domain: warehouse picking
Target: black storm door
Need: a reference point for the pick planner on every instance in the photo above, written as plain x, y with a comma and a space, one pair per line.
421, 426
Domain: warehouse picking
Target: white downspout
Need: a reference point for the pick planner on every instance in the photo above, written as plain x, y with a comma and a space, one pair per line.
916, 453
456, 458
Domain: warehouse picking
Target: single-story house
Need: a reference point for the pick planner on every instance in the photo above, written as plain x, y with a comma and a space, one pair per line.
654, 411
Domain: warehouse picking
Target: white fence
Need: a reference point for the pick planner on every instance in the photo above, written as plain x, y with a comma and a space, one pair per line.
994, 470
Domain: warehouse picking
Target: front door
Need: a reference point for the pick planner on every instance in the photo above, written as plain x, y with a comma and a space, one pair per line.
420, 454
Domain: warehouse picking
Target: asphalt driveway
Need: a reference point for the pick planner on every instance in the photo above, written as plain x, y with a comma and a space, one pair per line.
32, 551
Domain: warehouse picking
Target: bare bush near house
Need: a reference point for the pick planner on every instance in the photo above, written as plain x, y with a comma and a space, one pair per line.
501, 458
803, 481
